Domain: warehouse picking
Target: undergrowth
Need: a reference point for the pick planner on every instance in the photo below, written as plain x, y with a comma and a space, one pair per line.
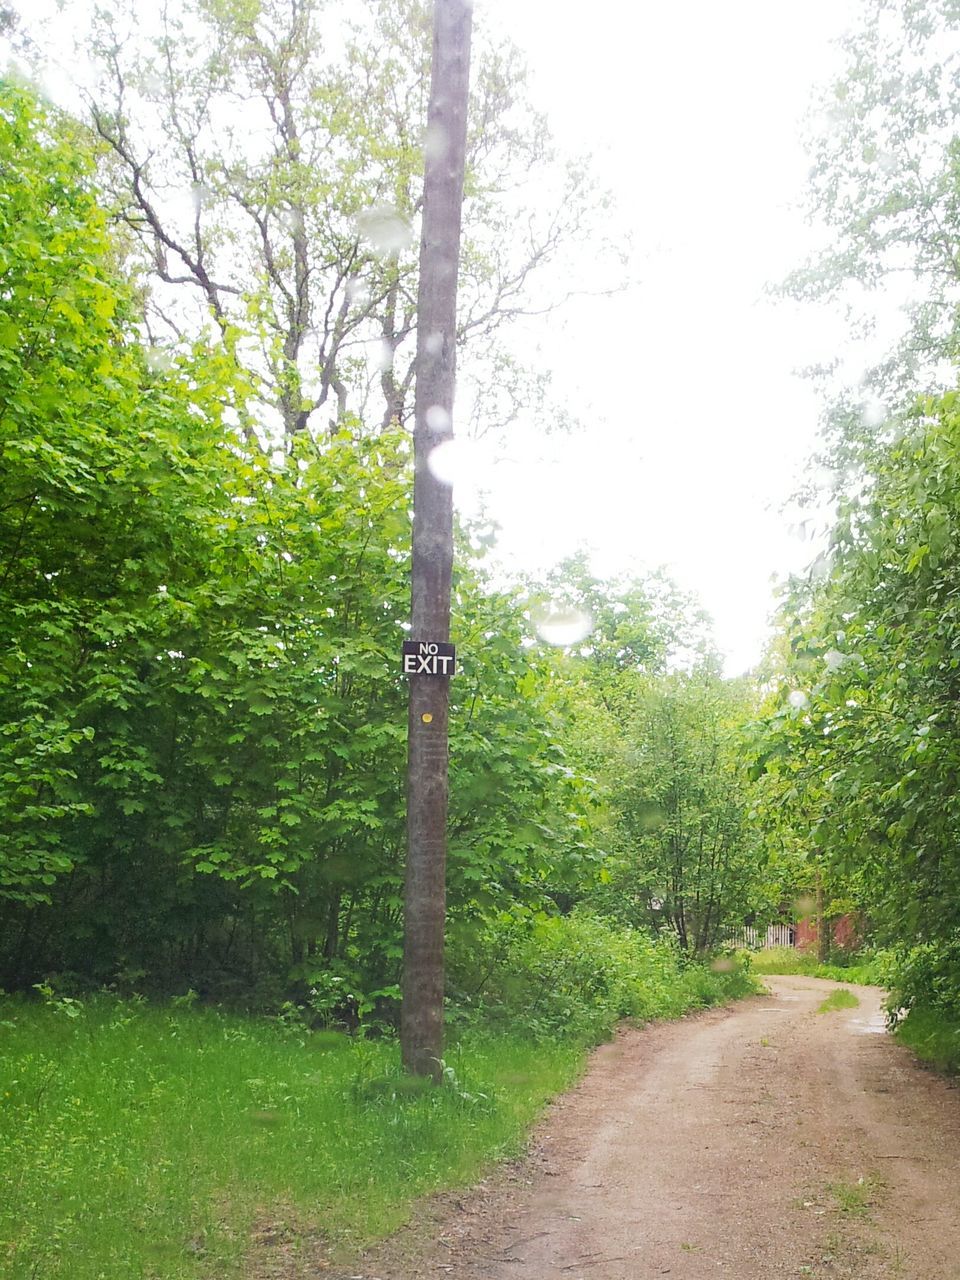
862, 970
932, 1036
575, 976
142, 1141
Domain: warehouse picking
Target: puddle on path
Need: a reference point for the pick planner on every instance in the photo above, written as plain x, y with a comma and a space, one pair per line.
875, 1026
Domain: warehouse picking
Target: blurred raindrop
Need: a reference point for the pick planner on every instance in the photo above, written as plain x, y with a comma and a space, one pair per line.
201, 195
435, 141
438, 419
798, 699
562, 626
805, 906
446, 461
434, 343
152, 84
649, 816
358, 292
873, 412
820, 569
291, 220
384, 356
158, 359
385, 230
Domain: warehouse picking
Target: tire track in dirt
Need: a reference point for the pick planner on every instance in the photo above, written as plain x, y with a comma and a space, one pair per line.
764, 1140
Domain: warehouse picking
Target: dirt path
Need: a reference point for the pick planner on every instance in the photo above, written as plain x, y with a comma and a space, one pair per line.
767, 1140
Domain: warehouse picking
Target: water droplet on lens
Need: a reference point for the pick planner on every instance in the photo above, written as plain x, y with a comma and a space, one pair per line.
152, 84
873, 412
384, 357
158, 360
291, 220
562, 627
435, 141
358, 292
201, 195
385, 230
446, 461
438, 419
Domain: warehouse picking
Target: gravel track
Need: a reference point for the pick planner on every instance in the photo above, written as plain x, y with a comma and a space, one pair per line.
763, 1140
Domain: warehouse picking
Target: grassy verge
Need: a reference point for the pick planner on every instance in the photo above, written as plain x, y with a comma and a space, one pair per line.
140, 1142
786, 960
932, 1036
839, 999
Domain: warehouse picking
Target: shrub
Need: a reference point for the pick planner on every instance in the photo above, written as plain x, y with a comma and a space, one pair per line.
575, 976
927, 976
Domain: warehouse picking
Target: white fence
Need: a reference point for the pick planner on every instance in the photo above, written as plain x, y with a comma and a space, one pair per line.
777, 935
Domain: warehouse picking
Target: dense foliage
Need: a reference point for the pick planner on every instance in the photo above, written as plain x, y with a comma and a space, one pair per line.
201, 708
202, 711
203, 718
860, 744
865, 738
268, 161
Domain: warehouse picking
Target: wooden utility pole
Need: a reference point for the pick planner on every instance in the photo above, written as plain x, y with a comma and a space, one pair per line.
421, 1027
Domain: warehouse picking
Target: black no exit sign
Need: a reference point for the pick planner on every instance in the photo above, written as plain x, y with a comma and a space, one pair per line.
428, 658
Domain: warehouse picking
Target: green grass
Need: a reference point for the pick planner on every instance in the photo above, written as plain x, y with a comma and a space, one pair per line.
856, 1199
933, 1037
787, 960
839, 999
139, 1142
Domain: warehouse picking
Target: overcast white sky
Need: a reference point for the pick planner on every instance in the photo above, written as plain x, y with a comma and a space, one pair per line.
696, 427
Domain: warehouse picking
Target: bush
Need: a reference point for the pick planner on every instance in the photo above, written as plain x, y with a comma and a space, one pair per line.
933, 1037
927, 976
576, 976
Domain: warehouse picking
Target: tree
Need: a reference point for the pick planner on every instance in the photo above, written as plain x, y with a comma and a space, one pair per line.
862, 736
278, 184
201, 738
884, 184
687, 859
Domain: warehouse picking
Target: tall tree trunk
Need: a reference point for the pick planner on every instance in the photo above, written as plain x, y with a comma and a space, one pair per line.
421, 1029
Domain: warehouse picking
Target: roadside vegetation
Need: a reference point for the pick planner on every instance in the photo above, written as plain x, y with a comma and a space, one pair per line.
141, 1140
934, 1037
925, 997
866, 970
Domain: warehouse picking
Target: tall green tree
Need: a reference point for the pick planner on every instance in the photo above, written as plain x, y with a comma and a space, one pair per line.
201, 707
863, 736
884, 183
688, 861
268, 161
